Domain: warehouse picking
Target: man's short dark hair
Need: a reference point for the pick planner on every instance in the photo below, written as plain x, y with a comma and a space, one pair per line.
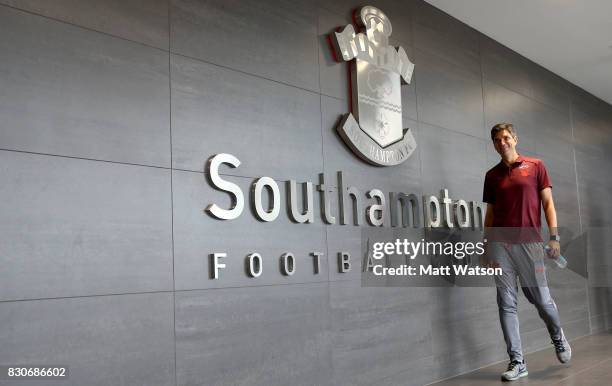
500, 127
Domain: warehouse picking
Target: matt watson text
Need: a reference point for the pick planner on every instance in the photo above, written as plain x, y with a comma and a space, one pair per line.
430, 270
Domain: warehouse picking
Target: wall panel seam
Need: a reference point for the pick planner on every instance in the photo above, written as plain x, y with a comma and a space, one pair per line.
171, 189
82, 27
315, 92
86, 296
84, 158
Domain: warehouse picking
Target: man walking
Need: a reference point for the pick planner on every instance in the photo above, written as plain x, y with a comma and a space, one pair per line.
514, 191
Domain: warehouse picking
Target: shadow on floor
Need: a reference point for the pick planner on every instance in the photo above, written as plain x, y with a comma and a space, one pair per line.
591, 365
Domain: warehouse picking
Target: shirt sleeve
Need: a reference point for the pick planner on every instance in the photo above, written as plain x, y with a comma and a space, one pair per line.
488, 194
543, 180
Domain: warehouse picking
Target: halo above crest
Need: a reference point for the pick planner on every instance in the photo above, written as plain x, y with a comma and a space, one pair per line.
369, 13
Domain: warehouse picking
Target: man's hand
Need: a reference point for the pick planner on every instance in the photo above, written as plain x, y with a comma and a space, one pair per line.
485, 259
486, 262
554, 249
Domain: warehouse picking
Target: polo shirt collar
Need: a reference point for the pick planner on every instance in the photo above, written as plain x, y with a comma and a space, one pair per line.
519, 160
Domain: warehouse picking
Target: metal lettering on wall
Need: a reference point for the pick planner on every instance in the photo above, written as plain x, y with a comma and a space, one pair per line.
375, 132
403, 209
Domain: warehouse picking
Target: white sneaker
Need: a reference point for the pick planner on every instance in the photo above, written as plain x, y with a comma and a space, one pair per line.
515, 371
562, 349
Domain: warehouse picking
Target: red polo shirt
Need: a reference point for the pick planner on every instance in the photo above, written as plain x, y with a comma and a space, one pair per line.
514, 192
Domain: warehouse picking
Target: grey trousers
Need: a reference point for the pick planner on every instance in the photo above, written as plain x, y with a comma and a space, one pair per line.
525, 261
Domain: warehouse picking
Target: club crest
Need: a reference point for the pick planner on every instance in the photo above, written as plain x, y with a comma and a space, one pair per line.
373, 130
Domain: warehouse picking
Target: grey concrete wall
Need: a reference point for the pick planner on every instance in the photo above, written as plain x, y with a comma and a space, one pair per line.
108, 113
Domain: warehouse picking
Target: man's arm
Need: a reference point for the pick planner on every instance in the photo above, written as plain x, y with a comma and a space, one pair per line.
488, 223
551, 219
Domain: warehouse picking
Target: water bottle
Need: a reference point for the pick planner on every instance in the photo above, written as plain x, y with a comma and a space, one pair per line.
559, 260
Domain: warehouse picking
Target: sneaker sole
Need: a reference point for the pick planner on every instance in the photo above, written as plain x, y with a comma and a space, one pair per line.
517, 377
569, 350
566, 361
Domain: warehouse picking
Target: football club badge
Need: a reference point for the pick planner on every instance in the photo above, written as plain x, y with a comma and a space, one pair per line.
373, 129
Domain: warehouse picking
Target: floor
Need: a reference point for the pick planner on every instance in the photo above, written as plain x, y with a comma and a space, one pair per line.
591, 365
